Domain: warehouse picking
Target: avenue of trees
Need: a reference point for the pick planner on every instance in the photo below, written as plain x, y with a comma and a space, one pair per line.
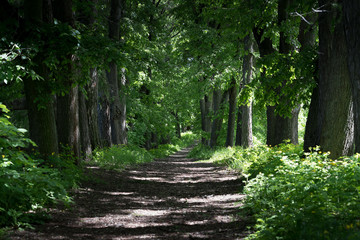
95, 73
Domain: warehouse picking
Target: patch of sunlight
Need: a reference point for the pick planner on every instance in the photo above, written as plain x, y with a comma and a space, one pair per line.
157, 179
119, 193
149, 213
213, 198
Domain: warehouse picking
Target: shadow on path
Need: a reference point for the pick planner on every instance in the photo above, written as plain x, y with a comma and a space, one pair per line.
172, 198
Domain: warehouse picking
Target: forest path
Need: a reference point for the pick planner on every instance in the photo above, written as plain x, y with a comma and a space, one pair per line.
172, 198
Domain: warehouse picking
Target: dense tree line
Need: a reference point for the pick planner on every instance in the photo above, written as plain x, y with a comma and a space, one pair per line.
99, 73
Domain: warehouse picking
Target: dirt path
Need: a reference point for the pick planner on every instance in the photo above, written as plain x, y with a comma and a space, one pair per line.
172, 198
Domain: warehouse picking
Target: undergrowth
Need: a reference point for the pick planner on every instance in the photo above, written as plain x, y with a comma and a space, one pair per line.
296, 195
164, 150
120, 156
28, 184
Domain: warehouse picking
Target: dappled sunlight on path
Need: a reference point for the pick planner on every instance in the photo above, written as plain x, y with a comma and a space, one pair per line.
172, 198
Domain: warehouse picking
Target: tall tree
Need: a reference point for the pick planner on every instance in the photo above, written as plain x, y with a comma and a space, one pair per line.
351, 9
307, 39
87, 14
232, 113
68, 103
266, 48
41, 113
246, 110
336, 116
219, 100
117, 108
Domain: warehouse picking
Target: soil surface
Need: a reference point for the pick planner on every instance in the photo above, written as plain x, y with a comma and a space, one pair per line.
172, 198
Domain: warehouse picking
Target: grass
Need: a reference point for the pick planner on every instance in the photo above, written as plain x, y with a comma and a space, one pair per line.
120, 156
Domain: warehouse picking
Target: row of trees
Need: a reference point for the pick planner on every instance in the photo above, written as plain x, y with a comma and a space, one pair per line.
100, 72
306, 58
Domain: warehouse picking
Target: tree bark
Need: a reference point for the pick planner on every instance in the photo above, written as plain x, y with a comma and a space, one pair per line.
92, 104
205, 106
41, 118
312, 130
104, 117
122, 108
239, 127
248, 63
68, 104
232, 113
307, 37
87, 17
218, 107
336, 116
112, 75
351, 9
286, 128
84, 128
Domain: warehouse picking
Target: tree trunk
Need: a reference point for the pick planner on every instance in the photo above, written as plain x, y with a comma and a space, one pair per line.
68, 105
215, 109
112, 75
122, 108
104, 117
270, 126
239, 127
87, 17
285, 127
232, 113
307, 37
336, 117
266, 48
312, 130
203, 115
42, 123
92, 104
218, 107
294, 125
248, 63
68, 121
114, 103
205, 106
41, 119
351, 9
117, 107
84, 128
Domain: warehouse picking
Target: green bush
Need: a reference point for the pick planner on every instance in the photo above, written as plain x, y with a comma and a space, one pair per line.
164, 150
296, 195
120, 156
304, 198
26, 184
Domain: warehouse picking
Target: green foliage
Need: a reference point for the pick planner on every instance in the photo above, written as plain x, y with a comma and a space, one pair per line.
120, 156
26, 183
292, 73
164, 150
307, 198
296, 195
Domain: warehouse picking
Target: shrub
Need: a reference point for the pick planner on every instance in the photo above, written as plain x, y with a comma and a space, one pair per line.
120, 156
201, 151
26, 184
306, 198
296, 195
164, 150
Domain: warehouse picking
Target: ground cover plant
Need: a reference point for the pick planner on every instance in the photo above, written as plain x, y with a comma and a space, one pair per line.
297, 195
29, 184
163, 150
120, 156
